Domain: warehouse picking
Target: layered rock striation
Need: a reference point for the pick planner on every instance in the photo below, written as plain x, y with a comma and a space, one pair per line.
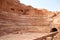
15, 16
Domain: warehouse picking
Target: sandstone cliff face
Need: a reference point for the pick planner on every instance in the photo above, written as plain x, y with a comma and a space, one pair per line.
15, 16
16, 7
12, 6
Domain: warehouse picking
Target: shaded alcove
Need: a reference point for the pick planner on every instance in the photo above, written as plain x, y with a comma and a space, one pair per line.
54, 30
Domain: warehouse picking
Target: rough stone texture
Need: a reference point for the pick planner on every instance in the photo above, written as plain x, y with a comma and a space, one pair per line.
11, 22
15, 16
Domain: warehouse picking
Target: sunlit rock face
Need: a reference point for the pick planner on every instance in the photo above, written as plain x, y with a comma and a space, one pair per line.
11, 6
6, 4
16, 7
15, 16
57, 19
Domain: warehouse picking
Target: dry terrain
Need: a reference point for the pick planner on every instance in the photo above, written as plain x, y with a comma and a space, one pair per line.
19, 20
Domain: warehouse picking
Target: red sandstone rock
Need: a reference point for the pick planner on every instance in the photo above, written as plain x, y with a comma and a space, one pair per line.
11, 12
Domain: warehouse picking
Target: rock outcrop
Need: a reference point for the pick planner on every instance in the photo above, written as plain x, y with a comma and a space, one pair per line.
15, 16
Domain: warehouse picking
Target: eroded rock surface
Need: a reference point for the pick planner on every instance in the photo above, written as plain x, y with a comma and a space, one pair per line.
15, 16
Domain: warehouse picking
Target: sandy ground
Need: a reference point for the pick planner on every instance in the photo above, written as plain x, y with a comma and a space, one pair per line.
24, 36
